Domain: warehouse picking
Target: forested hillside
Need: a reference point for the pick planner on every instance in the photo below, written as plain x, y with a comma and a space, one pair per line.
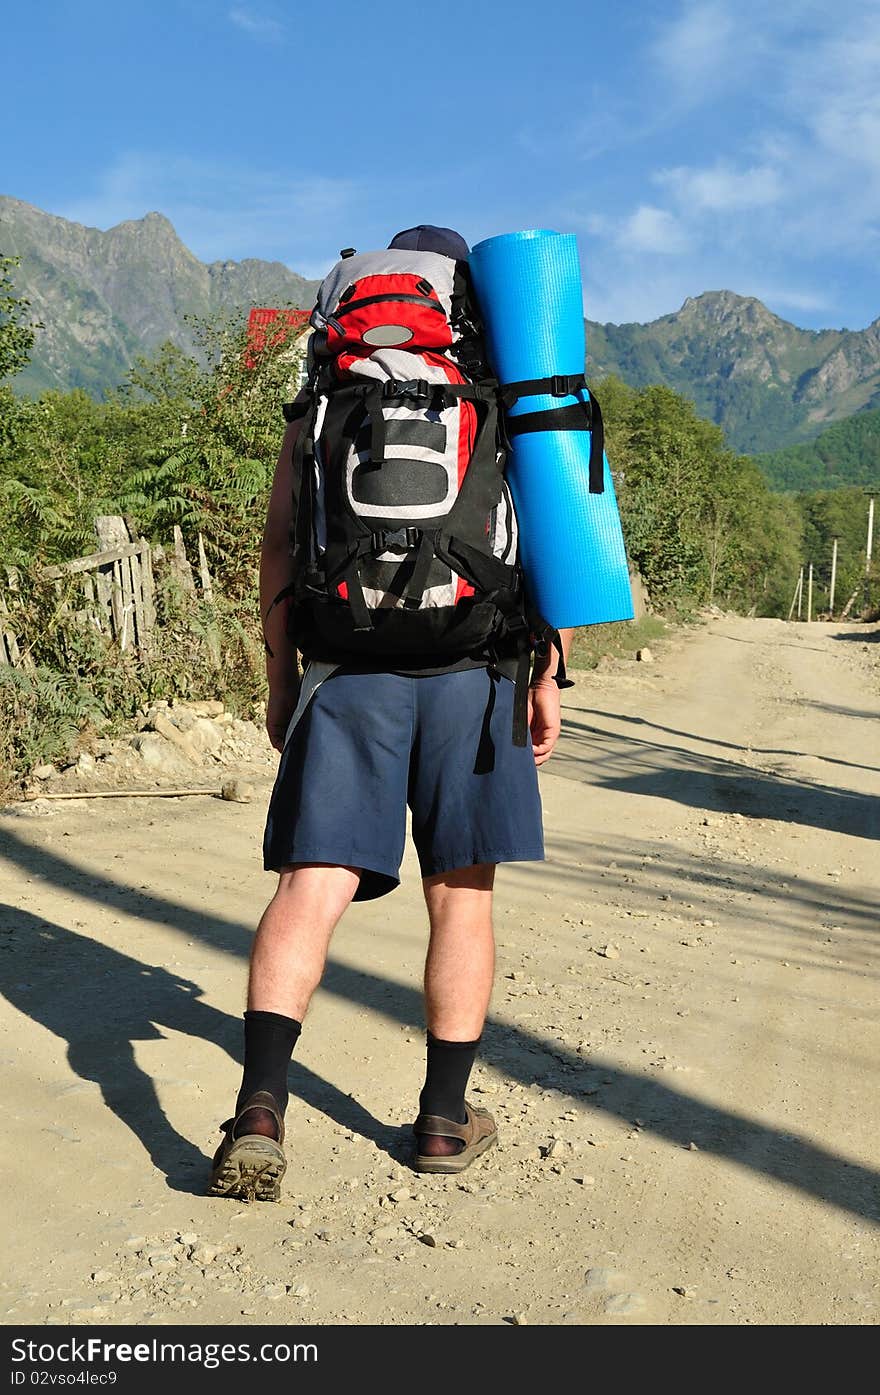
847, 454
764, 381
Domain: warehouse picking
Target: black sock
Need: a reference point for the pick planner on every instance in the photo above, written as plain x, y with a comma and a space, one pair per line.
449, 1068
269, 1040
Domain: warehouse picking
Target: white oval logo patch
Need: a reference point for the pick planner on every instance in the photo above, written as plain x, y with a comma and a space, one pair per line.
387, 336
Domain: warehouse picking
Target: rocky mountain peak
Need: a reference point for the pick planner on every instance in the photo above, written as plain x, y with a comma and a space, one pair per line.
728, 310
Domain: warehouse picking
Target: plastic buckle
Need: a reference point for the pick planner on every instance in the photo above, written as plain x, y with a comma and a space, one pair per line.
559, 385
395, 537
417, 388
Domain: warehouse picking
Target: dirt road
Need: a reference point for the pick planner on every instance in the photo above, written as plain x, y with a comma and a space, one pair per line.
682, 1052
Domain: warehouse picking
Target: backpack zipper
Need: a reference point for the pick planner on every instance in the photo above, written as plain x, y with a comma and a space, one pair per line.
389, 295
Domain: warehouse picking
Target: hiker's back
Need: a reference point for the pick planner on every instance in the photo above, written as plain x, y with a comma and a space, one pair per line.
404, 531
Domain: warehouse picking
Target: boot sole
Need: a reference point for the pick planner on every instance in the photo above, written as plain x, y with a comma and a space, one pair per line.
251, 1170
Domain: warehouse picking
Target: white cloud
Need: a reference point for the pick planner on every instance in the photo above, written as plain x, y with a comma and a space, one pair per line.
694, 50
721, 188
787, 207
836, 94
651, 229
256, 25
697, 38
780, 297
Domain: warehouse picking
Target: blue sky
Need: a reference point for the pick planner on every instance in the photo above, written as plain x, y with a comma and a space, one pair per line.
692, 144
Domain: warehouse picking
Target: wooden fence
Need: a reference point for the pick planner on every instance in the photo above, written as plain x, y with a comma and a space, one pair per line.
116, 590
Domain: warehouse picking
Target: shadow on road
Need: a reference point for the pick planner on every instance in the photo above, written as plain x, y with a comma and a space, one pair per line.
733, 745
101, 1002
142, 994
594, 756
871, 636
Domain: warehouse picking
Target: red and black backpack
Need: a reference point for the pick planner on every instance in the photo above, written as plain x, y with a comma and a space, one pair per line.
404, 533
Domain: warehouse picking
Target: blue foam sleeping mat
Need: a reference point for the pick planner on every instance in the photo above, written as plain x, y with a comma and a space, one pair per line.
528, 285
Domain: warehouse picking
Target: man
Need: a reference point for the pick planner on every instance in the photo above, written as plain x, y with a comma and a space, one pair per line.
358, 743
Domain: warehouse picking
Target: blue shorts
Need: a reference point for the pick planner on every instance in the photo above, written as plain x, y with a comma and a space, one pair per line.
368, 744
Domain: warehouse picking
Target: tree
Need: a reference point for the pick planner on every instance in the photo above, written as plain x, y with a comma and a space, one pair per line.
699, 521
16, 338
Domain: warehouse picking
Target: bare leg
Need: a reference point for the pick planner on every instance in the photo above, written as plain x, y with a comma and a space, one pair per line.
460, 963
290, 948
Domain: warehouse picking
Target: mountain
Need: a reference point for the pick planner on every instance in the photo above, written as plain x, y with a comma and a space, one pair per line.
848, 453
766, 382
104, 297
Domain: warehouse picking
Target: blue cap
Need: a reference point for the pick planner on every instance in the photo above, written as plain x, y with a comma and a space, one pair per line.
427, 238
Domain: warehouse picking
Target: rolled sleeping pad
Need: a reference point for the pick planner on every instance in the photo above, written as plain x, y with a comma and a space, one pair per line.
528, 285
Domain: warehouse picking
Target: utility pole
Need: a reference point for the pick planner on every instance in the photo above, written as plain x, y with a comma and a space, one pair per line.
833, 579
797, 593
810, 594
869, 549
800, 594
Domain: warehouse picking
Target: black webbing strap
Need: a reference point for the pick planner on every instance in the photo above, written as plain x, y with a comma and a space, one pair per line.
577, 417
486, 391
559, 385
481, 569
542, 638
373, 403
484, 761
521, 695
580, 416
560, 677
359, 612
303, 454
418, 580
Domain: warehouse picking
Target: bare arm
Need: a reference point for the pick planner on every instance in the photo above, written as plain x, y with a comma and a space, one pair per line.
276, 572
545, 712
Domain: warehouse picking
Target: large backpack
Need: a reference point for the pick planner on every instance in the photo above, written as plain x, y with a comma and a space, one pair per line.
404, 532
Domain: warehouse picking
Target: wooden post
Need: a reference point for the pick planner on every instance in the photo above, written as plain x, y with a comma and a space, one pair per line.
833, 579
8, 637
810, 593
9, 651
149, 593
104, 597
112, 534
138, 596
204, 574
800, 594
869, 549
181, 562
212, 633
797, 592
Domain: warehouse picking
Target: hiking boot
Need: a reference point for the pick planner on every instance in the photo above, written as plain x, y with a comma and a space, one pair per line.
477, 1133
249, 1166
